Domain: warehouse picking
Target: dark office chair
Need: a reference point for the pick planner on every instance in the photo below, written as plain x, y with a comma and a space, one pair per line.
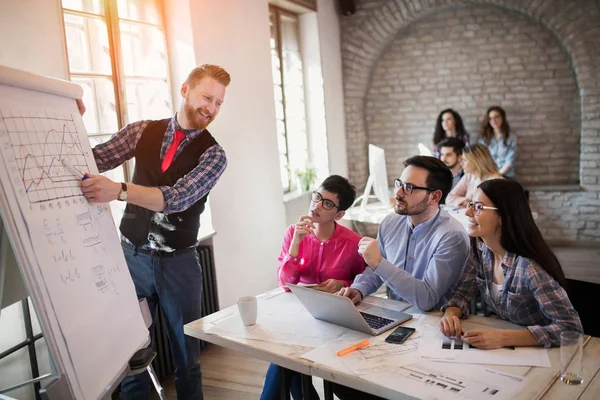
582, 296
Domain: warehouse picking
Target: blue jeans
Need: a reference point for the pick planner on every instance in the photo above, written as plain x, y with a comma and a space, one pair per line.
175, 284
272, 386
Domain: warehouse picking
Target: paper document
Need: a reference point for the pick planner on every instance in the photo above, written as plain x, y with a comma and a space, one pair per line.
281, 319
449, 381
437, 347
379, 355
429, 380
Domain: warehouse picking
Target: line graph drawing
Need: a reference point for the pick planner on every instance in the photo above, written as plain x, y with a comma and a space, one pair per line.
388, 349
39, 141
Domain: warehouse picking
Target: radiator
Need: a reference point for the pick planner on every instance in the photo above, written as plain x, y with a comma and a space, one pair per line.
163, 363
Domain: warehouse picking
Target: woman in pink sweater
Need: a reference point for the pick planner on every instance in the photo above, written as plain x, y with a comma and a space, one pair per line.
317, 250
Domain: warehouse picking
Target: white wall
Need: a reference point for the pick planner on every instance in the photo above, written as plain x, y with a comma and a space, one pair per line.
296, 205
32, 37
247, 208
32, 40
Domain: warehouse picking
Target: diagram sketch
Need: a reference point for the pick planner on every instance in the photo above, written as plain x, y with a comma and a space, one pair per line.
469, 382
437, 347
39, 141
381, 355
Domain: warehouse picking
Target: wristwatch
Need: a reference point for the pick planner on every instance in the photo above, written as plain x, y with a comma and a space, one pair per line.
122, 196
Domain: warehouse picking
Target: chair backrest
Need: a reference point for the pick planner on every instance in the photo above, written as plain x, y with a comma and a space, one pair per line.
582, 296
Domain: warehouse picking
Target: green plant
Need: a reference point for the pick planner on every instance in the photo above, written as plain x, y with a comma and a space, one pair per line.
306, 178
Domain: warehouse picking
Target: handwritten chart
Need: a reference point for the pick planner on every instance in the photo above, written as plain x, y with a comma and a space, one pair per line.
437, 347
39, 140
77, 258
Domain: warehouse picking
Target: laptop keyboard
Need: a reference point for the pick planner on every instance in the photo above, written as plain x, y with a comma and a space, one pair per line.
375, 321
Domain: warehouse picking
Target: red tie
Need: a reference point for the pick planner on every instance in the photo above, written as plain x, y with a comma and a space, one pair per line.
170, 154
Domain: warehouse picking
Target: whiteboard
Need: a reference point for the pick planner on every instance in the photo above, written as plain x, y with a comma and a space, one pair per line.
69, 250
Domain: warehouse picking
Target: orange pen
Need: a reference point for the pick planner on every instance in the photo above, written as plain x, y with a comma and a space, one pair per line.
350, 349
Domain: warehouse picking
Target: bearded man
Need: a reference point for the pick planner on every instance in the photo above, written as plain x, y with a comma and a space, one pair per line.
420, 249
177, 163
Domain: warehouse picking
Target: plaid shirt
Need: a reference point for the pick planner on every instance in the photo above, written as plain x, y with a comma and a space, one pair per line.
188, 189
529, 296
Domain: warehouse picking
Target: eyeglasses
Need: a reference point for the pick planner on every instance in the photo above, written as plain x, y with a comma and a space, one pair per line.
327, 204
408, 188
477, 207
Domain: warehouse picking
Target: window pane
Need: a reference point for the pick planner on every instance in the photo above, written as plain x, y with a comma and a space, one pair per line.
289, 33
144, 51
99, 99
117, 175
285, 176
295, 109
140, 10
275, 67
87, 44
147, 99
90, 6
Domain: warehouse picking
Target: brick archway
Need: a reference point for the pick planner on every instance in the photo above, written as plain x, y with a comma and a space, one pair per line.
366, 35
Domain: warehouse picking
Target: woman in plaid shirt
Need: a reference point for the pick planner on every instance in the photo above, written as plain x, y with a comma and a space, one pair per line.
514, 270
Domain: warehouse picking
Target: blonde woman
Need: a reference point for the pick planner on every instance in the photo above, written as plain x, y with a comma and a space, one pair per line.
479, 166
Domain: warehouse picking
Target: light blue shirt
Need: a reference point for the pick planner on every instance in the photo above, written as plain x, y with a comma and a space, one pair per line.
503, 154
420, 265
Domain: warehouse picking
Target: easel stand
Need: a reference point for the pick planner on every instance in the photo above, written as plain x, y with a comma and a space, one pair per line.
56, 390
145, 364
67, 250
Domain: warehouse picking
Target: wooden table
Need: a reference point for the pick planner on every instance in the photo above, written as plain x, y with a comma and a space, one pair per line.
543, 383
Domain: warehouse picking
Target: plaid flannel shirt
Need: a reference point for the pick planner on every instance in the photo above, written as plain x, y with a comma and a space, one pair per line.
188, 189
529, 296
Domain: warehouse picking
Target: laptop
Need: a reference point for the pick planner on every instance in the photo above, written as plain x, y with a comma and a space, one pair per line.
341, 311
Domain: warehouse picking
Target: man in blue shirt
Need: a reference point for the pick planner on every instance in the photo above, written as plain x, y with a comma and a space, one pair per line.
420, 250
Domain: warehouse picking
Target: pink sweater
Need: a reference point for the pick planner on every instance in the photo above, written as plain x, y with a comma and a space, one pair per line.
335, 258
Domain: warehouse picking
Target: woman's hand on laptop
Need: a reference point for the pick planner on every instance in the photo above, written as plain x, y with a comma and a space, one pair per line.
354, 294
330, 286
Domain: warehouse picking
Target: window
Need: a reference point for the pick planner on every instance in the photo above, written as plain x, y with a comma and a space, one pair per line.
117, 53
288, 85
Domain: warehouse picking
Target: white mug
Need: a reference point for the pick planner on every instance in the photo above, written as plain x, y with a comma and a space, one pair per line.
248, 308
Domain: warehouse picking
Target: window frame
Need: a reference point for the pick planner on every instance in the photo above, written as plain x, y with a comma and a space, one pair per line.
112, 20
279, 13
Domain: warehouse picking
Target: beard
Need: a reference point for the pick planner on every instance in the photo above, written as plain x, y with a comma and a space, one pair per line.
404, 209
451, 166
194, 120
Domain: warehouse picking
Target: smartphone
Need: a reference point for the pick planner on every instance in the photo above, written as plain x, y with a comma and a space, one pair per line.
400, 334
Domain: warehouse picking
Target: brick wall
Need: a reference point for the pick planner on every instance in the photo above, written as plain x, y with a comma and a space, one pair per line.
404, 60
469, 59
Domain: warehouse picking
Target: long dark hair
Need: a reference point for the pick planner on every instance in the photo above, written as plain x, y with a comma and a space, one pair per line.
520, 234
440, 134
487, 132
